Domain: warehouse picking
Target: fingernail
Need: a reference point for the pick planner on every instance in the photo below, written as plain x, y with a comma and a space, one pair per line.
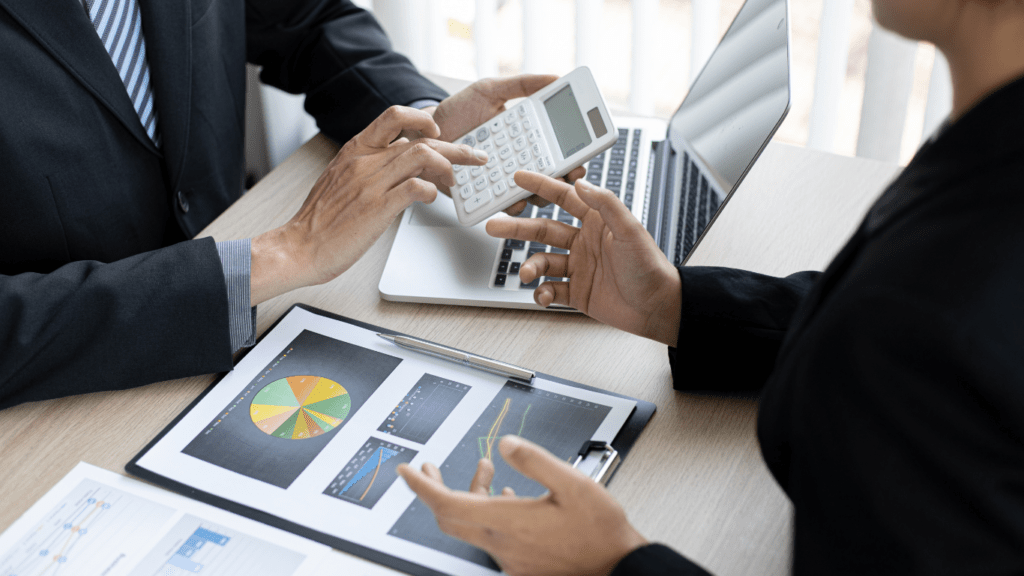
511, 441
480, 155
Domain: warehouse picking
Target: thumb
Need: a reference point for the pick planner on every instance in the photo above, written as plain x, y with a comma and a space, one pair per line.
519, 86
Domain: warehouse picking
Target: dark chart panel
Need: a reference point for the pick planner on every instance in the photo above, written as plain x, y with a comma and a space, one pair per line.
369, 473
559, 423
424, 408
291, 411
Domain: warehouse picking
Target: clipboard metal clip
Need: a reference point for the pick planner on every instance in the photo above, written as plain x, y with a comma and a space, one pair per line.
607, 460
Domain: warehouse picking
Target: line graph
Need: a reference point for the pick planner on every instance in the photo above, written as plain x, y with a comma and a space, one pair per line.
557, 422
369, 473
87, 532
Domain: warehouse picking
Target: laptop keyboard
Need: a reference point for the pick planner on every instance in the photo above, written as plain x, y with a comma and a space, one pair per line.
699, 203
614, 169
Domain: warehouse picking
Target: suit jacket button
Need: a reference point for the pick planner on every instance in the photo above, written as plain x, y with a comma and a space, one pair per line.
182, 201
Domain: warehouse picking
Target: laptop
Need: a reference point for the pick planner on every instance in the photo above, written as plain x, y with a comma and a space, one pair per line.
675, 176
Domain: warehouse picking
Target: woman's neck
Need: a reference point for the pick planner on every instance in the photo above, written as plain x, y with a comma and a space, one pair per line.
985, 50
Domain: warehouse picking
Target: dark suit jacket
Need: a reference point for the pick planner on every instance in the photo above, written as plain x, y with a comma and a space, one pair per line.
93, 295
892, 385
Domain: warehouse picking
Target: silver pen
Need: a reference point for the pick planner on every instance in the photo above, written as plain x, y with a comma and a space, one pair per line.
509, 371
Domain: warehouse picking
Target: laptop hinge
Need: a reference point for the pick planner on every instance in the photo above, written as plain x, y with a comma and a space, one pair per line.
661, 155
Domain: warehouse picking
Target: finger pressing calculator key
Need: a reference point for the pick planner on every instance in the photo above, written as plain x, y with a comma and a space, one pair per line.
562, 126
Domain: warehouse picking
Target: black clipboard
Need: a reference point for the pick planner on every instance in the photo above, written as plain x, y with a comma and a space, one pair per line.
622, 443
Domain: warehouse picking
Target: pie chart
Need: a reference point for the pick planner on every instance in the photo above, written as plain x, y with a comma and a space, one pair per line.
300, 407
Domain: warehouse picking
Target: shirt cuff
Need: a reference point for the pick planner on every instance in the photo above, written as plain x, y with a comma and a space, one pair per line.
236, 262
420, 104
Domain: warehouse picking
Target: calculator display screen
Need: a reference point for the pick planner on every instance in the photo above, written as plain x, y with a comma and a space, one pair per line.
567, 120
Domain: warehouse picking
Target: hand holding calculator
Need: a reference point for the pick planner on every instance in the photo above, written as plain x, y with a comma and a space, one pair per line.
559, 127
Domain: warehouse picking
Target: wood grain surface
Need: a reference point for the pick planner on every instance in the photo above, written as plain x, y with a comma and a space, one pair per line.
695, 479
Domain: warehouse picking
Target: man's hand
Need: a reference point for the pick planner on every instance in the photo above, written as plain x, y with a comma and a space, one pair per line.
371, 180
483, 100
616, 272
577, 528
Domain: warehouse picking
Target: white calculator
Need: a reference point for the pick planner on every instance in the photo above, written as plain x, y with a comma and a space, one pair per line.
558, 128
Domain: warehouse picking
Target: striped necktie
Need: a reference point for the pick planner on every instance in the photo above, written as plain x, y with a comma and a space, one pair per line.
119, 25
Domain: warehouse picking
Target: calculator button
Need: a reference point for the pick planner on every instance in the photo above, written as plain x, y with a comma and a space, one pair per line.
515, 129
549, 162
499, 280
499, 188
501, 139
502, 267
521, 109
494, 175
538, 149
462, 177
542, 165
466, 191
492, 161
468, 140
480, 183
519, 143
533, 136
527, 124
510, 166
487, 147
505, 152
496, 125
530, 167
512, 182
476, 171
477, 201
524, 157
509, 117
482, 134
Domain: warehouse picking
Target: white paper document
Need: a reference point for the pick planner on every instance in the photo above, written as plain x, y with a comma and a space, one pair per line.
310, 426
98, 523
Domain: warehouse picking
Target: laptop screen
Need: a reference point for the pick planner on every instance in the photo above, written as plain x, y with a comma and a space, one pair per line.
741, 95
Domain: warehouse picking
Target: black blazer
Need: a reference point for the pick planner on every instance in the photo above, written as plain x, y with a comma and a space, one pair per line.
92, 294
892, 385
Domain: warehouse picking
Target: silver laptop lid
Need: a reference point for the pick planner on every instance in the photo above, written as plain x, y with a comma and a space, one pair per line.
733, 108
741, 96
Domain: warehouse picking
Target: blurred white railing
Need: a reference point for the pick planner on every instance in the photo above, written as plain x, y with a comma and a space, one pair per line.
418, 27
887, 87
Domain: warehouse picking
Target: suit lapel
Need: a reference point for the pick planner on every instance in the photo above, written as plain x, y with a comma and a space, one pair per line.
168, 31
63, 28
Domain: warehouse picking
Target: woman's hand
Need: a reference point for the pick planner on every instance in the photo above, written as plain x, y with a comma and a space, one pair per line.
373, 178
577, 528
617, 274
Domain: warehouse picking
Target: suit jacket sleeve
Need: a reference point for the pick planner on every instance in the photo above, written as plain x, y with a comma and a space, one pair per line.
732, 325
89, 326
656, 560
338, 55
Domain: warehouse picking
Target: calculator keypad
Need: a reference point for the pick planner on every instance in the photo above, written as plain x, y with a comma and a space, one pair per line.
514, 142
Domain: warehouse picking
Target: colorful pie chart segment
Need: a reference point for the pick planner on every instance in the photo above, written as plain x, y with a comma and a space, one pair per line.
300, 407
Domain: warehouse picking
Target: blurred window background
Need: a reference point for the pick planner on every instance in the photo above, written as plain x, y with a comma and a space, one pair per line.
857, 90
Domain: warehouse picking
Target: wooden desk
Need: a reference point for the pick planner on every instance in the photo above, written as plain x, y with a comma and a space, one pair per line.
695, 480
